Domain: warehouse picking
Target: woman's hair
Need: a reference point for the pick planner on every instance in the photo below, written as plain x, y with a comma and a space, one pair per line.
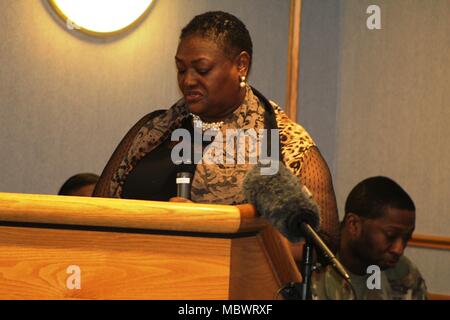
225, 29
76, 182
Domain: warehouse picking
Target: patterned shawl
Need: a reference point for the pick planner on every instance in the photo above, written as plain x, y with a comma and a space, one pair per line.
221, 183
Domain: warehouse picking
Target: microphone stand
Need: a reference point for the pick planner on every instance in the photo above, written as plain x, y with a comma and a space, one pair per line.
306, 270
297, 290
302, 291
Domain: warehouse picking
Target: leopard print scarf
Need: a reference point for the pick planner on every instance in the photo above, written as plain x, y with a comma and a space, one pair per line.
221, 183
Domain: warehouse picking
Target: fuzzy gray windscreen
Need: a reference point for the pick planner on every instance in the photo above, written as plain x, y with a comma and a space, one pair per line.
280, 199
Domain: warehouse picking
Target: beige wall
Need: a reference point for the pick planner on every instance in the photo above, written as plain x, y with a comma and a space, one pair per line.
319, 67
394, 104
394, 112
66, 100
389, 93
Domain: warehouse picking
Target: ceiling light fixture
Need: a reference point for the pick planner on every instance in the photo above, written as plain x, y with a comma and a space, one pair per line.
101, 17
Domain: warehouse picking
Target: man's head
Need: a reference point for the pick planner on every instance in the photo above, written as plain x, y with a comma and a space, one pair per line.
81, 185
379, 220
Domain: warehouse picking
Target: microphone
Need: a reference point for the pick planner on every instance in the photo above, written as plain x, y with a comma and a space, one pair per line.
289, 206
185, 172
278, 198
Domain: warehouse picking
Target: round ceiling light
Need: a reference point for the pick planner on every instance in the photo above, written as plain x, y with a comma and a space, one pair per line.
101, 17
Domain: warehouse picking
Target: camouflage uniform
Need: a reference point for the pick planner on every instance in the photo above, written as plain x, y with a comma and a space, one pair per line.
403, 282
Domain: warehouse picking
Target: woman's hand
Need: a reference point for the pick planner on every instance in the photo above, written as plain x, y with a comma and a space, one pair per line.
180, 199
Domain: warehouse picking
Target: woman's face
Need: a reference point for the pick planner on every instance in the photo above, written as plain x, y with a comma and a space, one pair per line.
208, 78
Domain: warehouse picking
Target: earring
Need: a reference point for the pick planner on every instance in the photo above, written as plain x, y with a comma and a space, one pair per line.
242, 83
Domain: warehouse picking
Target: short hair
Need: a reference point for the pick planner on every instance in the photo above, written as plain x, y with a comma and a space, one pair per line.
76, 182
372, 196
224, 28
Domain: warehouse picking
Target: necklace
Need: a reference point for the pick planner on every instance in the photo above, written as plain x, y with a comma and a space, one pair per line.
206, 125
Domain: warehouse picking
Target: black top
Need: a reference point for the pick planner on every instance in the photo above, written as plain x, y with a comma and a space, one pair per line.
153, 178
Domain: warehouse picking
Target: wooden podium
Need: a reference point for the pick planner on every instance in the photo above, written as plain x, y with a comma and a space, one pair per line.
131, 249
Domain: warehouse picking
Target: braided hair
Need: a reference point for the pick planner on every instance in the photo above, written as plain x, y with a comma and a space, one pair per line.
226, 30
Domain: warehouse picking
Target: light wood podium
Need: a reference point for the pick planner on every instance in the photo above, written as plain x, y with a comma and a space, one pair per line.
131, 249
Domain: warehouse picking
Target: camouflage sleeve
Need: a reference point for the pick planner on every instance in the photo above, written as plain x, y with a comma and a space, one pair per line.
318, 286
406, 282
419, 290
326, 284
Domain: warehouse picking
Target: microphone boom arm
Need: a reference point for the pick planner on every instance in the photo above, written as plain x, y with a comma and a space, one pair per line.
328, 255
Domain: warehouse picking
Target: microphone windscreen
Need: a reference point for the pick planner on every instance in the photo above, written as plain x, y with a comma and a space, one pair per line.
280, 199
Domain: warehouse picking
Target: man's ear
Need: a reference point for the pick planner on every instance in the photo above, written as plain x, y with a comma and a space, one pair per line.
243, 63
353, 224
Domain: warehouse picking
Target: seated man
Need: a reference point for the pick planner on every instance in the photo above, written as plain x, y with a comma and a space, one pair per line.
379, 220
81, 185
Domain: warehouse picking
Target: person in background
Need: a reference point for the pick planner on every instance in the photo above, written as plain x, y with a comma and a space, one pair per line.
379, 220
81, 185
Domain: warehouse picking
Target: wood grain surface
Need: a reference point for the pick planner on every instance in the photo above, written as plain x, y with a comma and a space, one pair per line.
293, 59
190, 217
34, 262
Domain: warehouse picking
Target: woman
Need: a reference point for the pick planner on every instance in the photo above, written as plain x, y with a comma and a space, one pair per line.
213, 61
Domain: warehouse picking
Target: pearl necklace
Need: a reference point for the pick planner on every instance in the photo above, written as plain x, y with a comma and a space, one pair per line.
206, 125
